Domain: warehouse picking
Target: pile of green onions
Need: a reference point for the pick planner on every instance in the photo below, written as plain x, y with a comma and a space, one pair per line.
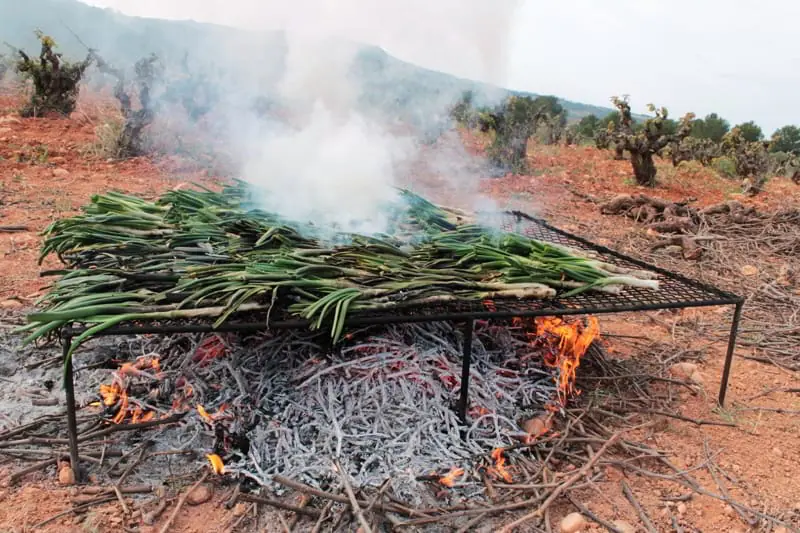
196, 254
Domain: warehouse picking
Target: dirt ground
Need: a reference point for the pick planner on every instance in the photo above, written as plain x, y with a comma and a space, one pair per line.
49, 168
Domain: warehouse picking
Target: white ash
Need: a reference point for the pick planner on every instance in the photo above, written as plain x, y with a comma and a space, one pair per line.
384, 407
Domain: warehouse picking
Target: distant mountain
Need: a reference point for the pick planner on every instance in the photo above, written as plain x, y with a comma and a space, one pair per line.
387, 81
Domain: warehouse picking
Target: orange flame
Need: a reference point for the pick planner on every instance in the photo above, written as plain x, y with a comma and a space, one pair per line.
569, 343
204, 414
123, 409
499, 469
216, 463
449, 479
109, 394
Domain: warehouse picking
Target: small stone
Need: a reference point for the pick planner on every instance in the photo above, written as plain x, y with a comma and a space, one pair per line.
777, 451
60, 172
200, 495
66, 476
682, 508
683, 370
624, 527
536, 427
780, 529
572, 523
239, 509
10, 304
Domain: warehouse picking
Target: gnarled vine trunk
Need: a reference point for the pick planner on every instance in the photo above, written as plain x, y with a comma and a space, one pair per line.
644, 168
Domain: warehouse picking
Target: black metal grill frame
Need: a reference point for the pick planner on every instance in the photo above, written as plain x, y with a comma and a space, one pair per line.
675, 292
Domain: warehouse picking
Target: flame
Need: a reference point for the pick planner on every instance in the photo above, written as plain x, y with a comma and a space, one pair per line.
499, 468
449, 479
123, 408
204, 414
568, 343
110, 393
208, 417
216, 463
148, 416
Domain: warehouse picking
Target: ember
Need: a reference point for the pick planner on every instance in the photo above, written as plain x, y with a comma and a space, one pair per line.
449, 479
216, 463
383, 402
499, 468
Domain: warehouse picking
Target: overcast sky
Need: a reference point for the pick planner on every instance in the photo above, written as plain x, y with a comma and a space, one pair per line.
738, 58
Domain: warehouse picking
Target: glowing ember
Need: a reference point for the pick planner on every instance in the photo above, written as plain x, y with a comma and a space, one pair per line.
204, 414
216, 463
499, 468
449, 479
211, 348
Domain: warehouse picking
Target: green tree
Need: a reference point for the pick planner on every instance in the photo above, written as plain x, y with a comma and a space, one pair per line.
751, 132
670, 126
588, 126
651, 138
711, 127
786, 139
612, 118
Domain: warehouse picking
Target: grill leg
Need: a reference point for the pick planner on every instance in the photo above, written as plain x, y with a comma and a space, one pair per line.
466, 363
726, 371
72, 424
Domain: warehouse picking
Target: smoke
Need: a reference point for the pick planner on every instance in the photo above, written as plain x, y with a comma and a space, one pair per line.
340, 166
354, 123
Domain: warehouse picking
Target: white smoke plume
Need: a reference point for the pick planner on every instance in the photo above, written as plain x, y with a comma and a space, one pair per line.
340, 168
334, 165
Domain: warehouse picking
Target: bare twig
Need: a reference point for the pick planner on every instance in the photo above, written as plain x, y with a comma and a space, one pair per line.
538, 513
648, 523
96, 501
592, 516
278, 504
181, 502
352, 497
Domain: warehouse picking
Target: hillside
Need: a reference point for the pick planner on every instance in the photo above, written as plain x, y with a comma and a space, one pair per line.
388, 82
